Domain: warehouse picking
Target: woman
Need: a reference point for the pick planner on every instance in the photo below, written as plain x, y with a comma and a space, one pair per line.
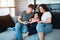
44, 26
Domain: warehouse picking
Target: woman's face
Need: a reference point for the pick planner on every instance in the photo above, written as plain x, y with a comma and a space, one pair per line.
41, 9
36, 15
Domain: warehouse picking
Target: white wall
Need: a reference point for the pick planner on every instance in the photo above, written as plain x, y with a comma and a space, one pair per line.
44, 1
22, 4
47, 1
4, 7
30, 1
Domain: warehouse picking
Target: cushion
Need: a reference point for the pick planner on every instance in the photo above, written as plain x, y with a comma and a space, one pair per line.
54, 35
8, 35
56, 20
15, 19
5, 22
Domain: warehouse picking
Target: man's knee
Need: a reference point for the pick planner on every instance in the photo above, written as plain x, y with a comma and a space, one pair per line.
18, 25
24, 29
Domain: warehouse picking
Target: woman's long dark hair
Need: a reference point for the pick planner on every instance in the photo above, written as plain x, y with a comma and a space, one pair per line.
44, 6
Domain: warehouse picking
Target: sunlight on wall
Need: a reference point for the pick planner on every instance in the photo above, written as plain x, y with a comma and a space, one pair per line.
4, 11
7, 7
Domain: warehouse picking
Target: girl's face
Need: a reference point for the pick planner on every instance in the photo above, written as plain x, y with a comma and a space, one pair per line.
36, 15
41, 9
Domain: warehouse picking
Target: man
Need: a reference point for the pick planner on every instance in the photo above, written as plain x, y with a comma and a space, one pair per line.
23, 19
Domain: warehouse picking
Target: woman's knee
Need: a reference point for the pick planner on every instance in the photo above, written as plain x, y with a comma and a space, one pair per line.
49, 28
40, 27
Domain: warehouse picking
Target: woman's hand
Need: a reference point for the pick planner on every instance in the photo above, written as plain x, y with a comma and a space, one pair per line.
40, 22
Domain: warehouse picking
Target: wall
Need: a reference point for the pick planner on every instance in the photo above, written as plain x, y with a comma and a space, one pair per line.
47, 1
21, 5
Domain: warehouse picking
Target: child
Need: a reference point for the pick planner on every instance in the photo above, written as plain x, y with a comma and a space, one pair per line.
35, 18
32, 24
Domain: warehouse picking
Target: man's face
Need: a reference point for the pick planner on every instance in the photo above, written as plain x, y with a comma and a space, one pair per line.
29, 9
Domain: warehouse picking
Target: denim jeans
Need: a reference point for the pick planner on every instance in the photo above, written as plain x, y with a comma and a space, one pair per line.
19, 29
44, 27
32, 28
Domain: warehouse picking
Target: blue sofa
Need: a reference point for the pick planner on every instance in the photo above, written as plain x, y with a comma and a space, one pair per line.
54, 35
10, 35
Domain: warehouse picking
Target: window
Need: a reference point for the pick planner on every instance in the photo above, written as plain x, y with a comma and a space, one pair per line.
7, 7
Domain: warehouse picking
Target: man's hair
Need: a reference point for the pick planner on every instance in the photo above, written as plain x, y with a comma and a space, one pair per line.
31, 6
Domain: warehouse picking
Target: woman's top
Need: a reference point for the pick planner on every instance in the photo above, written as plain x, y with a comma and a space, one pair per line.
45, 16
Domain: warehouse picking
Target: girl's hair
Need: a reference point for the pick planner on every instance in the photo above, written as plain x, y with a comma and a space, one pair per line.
38, 14
44, 6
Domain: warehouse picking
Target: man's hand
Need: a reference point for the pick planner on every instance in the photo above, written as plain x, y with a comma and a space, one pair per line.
25, 22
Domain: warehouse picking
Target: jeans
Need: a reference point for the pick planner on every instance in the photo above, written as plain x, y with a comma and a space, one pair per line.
32, 28
44, 27
20, 28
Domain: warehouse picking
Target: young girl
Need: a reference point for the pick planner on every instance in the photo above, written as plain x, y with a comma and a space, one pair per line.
35, 18
32, 26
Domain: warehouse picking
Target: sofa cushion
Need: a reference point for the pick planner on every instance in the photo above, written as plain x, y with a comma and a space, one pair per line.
15, 19
56, 20
54, 35
8, 35
5, 22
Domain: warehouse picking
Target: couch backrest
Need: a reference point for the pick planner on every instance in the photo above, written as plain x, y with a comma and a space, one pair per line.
56, 20
5, 22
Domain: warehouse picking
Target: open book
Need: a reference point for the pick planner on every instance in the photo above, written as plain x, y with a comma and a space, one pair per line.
32, 28
29, 22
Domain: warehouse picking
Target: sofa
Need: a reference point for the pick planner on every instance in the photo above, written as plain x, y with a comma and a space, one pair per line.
8, 21
54, 35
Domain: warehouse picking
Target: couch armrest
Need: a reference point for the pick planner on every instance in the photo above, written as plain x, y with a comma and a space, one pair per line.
15, 18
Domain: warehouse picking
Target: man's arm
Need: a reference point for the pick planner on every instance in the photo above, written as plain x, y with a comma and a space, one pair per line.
20, 20
20, 17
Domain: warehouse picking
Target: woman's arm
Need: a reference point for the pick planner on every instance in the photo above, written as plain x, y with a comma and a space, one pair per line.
47, 21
